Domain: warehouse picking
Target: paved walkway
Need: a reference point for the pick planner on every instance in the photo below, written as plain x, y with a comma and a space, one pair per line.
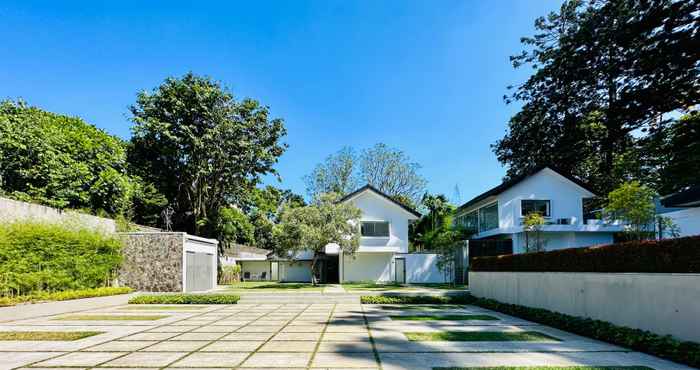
297, 336
24, 311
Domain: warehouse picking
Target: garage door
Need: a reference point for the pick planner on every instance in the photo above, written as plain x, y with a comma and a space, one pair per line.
199, 271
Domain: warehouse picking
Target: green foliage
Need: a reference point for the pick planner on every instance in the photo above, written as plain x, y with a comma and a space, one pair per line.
479, 336
37, 257
64, 295
234, 228
312, 227
186, 299
426, 299
46, 335
337, 174
202, 148
633, 204
62, 161
602, 70
533, 223
656, 256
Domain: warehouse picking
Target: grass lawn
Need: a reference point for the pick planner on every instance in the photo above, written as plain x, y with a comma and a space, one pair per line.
422, 307
443, 317
479, 336
273, 286
46, 335
385, 287
111, 317
548, 368
164, 308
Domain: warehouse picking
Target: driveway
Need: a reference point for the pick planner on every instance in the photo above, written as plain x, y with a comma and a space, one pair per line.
316, 335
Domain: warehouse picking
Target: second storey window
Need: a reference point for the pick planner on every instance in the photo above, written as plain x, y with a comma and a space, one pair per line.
528, 206
375, 229
488, 217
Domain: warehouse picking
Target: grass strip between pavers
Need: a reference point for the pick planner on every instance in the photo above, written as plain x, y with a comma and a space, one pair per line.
185, 299
442, 317
146, 307
480, 336
548, 368
111, 317
47, 335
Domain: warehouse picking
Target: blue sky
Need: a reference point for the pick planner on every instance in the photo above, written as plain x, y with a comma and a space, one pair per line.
426, 77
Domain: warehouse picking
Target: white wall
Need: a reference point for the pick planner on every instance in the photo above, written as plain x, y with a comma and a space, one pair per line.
376, 208
422, 268
562, 240
661, 303
687, 220
14, 210
376, 267
566, 198
298, 271
199, 245
255, 268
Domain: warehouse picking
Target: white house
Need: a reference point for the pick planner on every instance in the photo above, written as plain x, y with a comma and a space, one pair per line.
499, 212
683, 208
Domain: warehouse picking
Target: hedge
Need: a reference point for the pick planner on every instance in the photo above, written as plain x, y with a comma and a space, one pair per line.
681, 255
185, 299
63, 296
39, 257
667, 347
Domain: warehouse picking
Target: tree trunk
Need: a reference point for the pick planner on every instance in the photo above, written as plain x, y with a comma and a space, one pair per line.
313, 269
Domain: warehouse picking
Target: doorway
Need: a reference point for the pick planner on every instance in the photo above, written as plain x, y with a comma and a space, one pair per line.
400, 270
331, 270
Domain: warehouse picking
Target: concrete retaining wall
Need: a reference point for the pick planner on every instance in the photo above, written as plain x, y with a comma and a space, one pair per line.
152, 261
14, 210
661, 303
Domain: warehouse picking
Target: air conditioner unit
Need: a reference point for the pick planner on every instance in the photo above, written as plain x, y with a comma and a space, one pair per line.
563, 221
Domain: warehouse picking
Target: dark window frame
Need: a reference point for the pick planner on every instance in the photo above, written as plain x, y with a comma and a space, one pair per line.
548, 208
374, 233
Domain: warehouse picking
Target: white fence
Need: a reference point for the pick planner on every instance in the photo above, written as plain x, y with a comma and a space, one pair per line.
661, 303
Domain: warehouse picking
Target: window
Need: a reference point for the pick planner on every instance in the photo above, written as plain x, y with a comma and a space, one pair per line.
528, 206
469, 221
488, 217
375, 229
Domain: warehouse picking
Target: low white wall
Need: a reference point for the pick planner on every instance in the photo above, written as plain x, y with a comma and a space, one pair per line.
14, 210
366, 267
298, 271
199, 245
422, 268
256, 268
561, 240
661, 303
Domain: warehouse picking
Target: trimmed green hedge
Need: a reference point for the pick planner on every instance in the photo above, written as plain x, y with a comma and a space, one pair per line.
185, 299
403, 299
667, 347
64, 296
39, 257
680, 255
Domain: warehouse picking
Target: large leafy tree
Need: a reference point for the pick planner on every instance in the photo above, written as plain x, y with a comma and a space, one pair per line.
202, 148
65, 162
263, 207
311, 228
603, 70
388, 169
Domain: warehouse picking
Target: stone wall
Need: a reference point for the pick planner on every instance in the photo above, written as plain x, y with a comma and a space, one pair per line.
14, 210
152, 261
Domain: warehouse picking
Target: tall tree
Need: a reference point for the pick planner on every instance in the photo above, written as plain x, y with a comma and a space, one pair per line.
603, 70
201, 147
387, 169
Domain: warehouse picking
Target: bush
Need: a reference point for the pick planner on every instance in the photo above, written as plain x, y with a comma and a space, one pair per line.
186, 299
680, 255
38, 257
403, 299
64, 296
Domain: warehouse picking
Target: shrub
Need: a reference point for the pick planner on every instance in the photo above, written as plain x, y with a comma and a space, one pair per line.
185, 299
36, 257
63, 296
680, 255
424, 299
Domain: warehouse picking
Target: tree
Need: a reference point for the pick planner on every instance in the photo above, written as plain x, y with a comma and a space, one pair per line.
202, 148
533, 223
387, 169
633, 204
337, 174
424, 233
263, 207
234, 228
602, 70
311, 228
64, 162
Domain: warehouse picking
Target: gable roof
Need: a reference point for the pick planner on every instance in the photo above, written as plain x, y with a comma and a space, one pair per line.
369, 187
688, 197
518, 179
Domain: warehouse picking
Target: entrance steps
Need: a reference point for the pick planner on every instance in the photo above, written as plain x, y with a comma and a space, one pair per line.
298, 298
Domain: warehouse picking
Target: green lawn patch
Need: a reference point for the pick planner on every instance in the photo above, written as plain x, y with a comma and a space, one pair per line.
63, 296
388, 287
47, 335
273, 286
443, 317
422, 307
479, 336
163, 308
433, 300
185, 299
548, 368
111, 317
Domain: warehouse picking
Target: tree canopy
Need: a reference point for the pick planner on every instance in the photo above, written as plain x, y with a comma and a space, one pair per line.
202, 148
604, 71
